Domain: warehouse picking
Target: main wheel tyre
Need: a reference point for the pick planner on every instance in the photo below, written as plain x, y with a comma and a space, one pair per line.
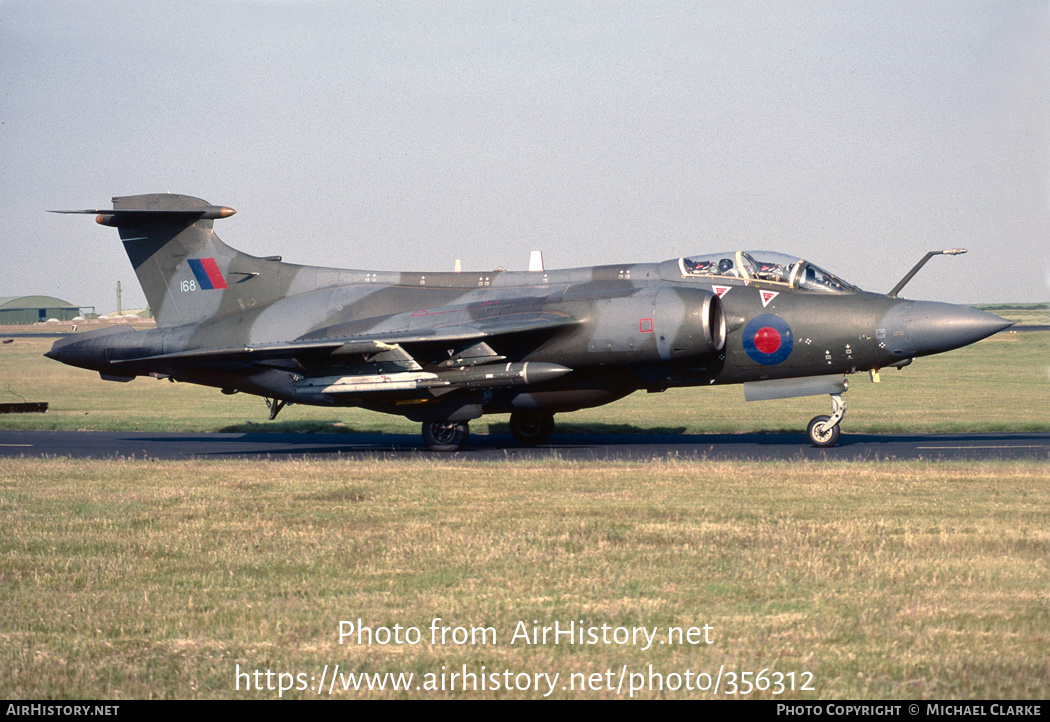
821, 434
531, 429
445, 435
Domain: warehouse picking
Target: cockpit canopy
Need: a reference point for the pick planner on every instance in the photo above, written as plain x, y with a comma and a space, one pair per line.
766, 266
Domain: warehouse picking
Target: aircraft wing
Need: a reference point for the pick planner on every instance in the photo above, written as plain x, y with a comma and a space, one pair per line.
331, 349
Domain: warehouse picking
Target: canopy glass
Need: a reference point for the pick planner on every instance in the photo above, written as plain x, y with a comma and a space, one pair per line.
768, 266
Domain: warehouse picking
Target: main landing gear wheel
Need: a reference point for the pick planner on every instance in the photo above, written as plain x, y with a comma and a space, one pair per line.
445, 435
531, 429
823, 431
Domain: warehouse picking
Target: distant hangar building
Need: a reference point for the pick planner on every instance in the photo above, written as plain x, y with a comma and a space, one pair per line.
33, 309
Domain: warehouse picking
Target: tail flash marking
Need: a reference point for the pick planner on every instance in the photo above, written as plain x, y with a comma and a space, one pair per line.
209, 277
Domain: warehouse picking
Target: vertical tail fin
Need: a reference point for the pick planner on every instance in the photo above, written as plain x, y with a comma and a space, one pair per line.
186, 272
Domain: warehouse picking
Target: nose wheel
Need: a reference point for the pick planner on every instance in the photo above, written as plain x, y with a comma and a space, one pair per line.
823, 431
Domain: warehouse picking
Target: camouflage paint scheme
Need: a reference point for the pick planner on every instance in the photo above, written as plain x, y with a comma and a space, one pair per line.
443, 348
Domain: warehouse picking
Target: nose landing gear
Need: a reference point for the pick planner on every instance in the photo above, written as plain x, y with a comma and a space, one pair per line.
823, 431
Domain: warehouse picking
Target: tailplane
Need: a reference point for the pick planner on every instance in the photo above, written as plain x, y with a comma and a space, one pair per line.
186, 272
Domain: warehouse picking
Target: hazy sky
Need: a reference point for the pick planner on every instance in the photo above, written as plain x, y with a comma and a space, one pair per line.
401, 136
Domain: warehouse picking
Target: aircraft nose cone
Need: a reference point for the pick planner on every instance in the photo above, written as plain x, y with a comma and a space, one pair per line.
920, 328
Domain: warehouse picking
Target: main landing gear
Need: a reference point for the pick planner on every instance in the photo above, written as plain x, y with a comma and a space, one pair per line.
445, 435
823, 431
529, 428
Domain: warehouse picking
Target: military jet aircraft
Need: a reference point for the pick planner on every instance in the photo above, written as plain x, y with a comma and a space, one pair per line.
443, 348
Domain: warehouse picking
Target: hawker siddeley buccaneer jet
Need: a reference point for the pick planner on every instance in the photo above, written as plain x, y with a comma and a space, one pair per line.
445, 348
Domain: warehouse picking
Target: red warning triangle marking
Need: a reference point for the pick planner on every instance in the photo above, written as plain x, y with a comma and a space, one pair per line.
721, 290
768, 296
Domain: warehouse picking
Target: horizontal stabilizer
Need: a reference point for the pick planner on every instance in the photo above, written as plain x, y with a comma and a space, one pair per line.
136, 216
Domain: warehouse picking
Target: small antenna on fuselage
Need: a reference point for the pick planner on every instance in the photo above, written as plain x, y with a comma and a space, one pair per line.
536, 261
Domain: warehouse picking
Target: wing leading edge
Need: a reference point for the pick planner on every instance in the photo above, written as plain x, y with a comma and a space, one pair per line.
476, 330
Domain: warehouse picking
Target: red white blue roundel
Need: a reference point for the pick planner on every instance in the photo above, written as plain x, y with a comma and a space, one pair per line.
768, 339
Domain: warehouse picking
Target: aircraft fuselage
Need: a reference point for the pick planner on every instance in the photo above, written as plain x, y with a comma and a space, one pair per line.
444, 348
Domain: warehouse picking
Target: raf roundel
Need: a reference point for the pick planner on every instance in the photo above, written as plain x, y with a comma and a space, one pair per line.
768, 339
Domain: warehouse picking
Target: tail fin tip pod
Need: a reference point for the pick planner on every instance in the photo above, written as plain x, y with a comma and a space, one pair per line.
135, 217
181, 264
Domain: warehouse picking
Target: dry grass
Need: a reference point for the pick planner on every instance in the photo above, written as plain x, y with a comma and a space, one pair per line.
123, 579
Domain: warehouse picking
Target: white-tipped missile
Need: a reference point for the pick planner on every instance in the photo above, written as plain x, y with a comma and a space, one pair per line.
491, 375
474, 377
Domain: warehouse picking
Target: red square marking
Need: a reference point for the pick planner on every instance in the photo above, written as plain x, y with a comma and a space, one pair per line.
645, 325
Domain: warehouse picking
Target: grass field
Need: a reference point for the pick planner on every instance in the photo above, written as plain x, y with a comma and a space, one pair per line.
1000, 384
135, 579
124, 579
1032, 314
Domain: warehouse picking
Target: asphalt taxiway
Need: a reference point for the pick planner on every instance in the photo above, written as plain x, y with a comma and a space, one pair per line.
490, 447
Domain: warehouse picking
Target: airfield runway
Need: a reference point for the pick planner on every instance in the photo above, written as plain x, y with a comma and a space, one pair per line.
494, 447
